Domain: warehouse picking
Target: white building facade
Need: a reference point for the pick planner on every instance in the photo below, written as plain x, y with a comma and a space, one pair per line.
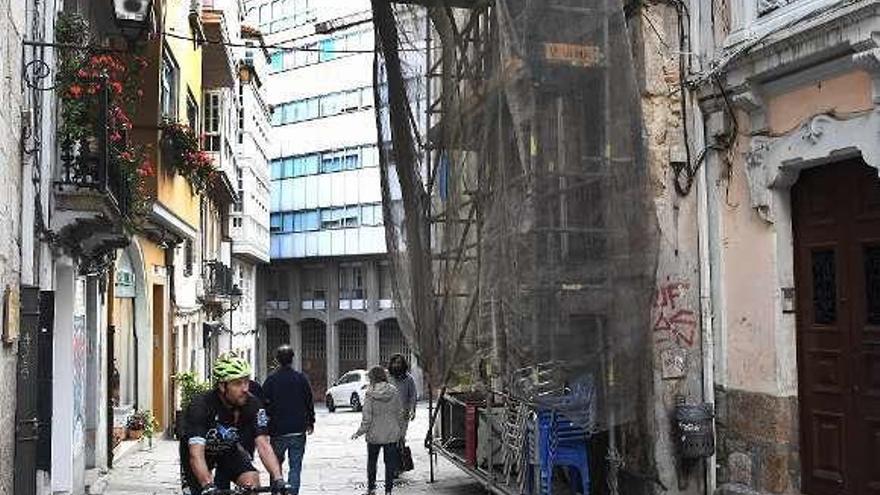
327, 291
250, 215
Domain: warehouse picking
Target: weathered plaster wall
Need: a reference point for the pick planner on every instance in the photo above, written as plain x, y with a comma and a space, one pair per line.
756, 412
12, 23
675, 323
847, 93
749, 284
757, 405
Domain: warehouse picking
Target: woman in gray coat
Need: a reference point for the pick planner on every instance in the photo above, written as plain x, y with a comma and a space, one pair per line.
382, 422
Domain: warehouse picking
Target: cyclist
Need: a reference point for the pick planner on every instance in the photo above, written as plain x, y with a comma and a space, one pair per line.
221, 428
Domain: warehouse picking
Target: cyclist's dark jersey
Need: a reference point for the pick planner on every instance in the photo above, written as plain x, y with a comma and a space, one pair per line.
228, 441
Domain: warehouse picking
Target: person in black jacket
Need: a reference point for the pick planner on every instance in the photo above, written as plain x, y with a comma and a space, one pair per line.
291, 411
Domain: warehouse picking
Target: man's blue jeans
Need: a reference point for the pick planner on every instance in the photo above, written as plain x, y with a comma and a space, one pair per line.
292, 446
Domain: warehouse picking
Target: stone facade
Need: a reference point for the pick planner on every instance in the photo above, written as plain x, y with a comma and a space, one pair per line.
757, 442
12, 26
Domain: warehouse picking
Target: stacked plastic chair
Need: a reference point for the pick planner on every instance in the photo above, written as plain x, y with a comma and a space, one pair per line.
558, 436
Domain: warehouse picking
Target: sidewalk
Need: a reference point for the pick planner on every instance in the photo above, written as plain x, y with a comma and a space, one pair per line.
333, 464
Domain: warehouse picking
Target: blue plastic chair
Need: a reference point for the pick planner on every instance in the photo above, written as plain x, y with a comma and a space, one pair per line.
560, 442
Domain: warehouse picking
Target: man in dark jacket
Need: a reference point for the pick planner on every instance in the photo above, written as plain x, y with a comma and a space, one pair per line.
291, 410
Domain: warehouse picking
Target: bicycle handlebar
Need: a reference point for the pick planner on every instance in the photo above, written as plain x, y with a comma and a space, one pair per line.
245, 491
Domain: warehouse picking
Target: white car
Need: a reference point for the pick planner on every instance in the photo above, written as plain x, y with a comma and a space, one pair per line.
348, 391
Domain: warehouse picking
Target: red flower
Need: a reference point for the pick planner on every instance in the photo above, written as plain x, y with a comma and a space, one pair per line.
146, 169
75, 91
116, 87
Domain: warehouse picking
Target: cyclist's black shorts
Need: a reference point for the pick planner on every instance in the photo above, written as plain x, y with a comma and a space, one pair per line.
232, 465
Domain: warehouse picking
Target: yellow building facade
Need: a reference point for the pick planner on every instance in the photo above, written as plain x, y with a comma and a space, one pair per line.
162, 255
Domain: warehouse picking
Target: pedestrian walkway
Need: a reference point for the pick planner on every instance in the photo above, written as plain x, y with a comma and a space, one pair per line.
334, 464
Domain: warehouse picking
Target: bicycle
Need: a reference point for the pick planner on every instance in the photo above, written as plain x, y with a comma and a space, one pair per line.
245, 491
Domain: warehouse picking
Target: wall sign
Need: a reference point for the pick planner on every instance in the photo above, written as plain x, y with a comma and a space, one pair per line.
11, 310
574, 55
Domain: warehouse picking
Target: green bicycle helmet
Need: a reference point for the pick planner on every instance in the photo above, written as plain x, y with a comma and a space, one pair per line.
228, 368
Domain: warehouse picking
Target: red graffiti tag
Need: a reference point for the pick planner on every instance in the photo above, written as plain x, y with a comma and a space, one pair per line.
672, 323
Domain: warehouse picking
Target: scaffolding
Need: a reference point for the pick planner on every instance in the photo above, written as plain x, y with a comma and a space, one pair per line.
518, 215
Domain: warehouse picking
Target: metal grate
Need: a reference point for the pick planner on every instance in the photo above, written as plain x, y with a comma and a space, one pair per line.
824, 287
277, 334
391, 341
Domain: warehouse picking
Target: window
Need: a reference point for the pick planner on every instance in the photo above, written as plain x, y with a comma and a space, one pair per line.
313, 284
277, 61
326, 219
350, 378
265, 15
188, 258
170, 81
213, 122
331, 219
276, 283
192, 112
275, 222
327, 50
385, 282
331, 163
351, 283
326, 105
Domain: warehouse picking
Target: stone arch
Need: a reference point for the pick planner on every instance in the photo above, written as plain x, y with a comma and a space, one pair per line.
133, 336
773, 164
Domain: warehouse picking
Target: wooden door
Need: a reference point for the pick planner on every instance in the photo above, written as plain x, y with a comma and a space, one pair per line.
159, 355
837, 266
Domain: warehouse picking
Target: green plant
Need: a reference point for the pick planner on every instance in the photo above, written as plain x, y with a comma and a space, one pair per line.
185, 156
144, 421
83, 74
190, 386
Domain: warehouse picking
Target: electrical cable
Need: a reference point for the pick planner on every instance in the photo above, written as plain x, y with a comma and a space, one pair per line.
274, 46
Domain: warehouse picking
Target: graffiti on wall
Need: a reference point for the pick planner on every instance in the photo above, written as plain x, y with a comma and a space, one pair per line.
674, 322
80, 358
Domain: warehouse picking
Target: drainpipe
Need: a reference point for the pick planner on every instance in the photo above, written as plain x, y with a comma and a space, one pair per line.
706, 316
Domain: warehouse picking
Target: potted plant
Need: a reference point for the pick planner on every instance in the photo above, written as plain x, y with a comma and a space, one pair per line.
142, 424
184, 155
190, 385
135, 426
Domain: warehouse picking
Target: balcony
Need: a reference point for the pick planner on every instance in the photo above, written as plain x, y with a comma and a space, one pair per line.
93, 199
250, 240
219, 19
217, 280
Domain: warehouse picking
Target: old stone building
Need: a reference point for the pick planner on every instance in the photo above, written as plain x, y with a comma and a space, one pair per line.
12, 25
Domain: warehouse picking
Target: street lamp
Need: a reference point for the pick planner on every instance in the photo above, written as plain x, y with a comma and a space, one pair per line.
132, 17
235, 295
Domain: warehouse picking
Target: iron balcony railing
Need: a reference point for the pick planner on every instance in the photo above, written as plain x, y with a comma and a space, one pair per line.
86, 163
218, 280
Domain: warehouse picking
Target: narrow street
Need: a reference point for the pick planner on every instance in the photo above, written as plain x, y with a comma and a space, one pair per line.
334, 464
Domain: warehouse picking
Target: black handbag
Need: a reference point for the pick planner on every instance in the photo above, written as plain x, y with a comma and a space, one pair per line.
406, 460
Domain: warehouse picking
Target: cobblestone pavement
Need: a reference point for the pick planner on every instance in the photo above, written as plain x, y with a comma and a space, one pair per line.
334, 464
